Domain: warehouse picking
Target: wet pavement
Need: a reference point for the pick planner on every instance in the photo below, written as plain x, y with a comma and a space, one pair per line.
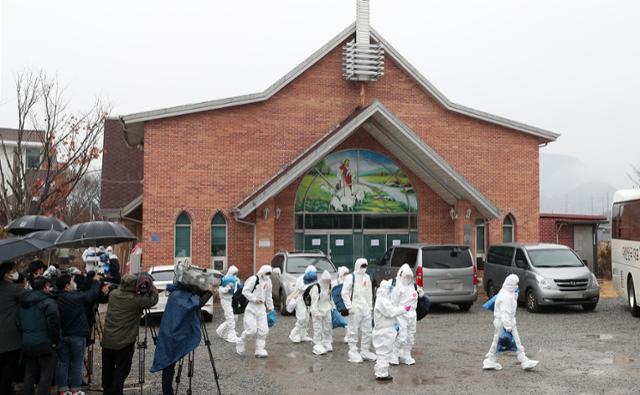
579, 353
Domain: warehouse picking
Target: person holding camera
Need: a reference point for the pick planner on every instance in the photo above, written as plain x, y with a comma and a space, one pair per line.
120, 331
179, 332
38, 319
10, 295
73, 305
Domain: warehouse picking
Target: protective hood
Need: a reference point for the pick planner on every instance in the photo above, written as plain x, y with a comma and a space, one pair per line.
310, 269
325, 276
358, 267
128, 283
384, 290
310, 277
405, 270
264, 270
233, 270
342, 270
511, 283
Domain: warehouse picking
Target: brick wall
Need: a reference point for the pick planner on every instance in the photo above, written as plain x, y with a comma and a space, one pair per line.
209, 161
548, 232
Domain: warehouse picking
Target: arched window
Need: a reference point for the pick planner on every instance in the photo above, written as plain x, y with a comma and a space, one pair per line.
183, 236
508, 229
218, 235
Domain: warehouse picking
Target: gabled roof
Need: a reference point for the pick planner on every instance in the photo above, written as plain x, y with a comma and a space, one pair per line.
400, 140
134, 122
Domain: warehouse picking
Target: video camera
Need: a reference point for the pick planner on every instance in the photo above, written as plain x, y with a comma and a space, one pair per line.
194, 277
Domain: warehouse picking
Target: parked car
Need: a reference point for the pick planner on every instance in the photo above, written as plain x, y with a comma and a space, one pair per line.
448, 271
550, 274
288, 266
162, 276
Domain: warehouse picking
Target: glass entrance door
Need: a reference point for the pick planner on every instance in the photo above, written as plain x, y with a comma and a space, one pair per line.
374, 248
316, 242
341, 250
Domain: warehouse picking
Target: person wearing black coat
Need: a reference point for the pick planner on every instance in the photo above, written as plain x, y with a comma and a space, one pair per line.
73, 305
39, 322
10, 295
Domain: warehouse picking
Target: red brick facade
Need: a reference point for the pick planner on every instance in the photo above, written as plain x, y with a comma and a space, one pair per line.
209, 161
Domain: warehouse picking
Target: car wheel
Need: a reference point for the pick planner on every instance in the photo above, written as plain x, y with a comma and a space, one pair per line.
633, 303
532, 302
464, 306
589, 306
491, 290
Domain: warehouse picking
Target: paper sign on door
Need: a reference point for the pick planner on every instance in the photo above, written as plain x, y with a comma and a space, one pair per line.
339, 242
375, 242
396, 242
315, 242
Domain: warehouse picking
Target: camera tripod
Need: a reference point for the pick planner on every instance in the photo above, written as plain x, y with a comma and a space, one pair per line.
96, 333
142, 347
191, 361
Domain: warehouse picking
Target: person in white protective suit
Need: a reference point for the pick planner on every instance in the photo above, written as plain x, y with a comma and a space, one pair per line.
299, 333
321, 315
343, 272
359, 308
385, 314
257, 290
405, 293
504, 313
227, 330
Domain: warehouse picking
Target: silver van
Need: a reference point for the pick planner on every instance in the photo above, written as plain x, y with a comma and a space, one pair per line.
448, 271
550, 274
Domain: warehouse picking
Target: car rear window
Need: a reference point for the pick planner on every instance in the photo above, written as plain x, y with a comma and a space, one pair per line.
446, 258
404, 255
297, 264
166, 275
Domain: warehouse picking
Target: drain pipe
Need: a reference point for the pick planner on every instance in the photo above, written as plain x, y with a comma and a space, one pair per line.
240, 221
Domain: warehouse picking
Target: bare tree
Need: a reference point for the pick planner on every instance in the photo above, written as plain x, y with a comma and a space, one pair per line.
634, 176
83, 202
68, 144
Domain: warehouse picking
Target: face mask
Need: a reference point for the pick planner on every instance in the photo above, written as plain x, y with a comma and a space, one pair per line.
407, 280
14, 276
74, 287
363, 269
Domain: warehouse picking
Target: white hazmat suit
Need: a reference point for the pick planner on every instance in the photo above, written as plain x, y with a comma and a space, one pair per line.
321, 315
255, 316
360, 307
227, 330
342, 273
384, 334
299, 333
405, 293
504, 313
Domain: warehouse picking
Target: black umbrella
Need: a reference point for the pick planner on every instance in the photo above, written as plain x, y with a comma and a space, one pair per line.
49, 236
32, 223
14, 247
94, 234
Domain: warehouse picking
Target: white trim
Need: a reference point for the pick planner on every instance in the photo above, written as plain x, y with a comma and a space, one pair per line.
134, 128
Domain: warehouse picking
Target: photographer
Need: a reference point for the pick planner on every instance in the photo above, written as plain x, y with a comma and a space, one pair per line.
120, 331
179, 329
73, 305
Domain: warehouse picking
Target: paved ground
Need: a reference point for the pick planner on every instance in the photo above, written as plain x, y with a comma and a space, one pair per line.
579, 353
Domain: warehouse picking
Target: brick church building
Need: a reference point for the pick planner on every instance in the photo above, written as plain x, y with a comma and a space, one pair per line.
351, 152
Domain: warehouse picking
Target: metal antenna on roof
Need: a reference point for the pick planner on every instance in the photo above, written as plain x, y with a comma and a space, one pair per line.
362, 60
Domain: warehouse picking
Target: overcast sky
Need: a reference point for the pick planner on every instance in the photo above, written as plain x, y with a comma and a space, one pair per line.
570, 66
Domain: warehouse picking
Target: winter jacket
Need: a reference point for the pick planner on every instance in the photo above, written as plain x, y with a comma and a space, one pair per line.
73, 310
123, 314
10, 295
38, 319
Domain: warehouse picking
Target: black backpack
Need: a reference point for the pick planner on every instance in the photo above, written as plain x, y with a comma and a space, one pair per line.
238, 301
306, 296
